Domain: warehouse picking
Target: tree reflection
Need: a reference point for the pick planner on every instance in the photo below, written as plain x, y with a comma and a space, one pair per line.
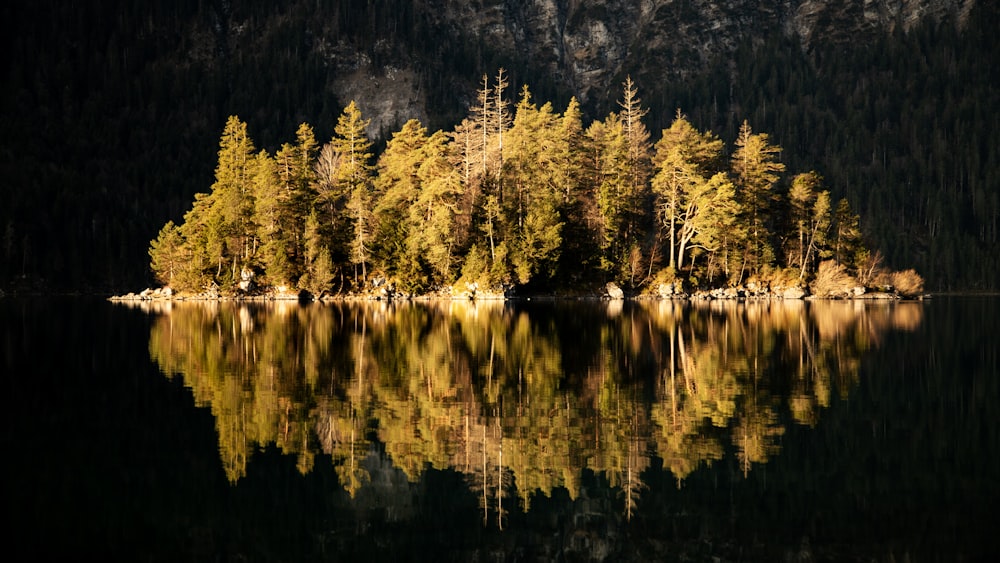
520, 398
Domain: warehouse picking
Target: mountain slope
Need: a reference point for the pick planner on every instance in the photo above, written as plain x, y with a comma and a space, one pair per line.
111, 117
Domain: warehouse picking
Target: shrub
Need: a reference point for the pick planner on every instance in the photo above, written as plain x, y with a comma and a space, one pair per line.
832, 280
666, 275
785, 278
908, 283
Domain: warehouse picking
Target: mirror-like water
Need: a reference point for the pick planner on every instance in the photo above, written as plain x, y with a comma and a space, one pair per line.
588, 431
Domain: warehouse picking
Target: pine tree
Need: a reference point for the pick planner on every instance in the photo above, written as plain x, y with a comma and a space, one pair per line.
577, 207
463, 149
755, 170
608, 159
636, 135
481, 116
685, 160
351, 142
534, 174
433, 213
167, 254
397, 184
500, 118
810, 215
218, 232
271, 216
319, 271
232, 193
637, 179
711, 223
847, 235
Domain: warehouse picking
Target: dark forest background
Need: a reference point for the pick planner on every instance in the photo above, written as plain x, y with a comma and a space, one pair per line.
111, 110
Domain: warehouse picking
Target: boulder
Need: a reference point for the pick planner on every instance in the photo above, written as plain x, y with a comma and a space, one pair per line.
613, 291
673, 289
794, 292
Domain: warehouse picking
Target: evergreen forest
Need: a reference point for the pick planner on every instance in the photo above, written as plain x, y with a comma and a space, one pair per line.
514, 198
111, 119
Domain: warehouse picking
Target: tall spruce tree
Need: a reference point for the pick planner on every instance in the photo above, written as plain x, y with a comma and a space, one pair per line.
756, 170
354, 177
232, 197
608, 168
433, 214
398, 185
534, 174
637, 178
272, 217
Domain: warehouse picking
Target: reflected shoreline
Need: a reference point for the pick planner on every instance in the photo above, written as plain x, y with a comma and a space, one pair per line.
520, 397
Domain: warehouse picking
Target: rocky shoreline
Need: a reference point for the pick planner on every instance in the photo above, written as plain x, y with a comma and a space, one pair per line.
611, 291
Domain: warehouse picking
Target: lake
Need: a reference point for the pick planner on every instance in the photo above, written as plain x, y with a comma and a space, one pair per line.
501, 431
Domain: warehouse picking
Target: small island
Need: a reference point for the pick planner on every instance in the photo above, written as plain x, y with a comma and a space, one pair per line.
517, 201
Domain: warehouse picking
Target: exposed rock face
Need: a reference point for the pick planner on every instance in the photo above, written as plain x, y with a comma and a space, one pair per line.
587, 43
842, 20
584, 47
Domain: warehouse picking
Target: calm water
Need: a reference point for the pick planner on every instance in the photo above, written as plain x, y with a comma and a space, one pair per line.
527, 431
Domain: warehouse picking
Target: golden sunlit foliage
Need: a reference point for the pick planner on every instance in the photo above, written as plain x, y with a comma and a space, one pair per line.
520, 400
509, 198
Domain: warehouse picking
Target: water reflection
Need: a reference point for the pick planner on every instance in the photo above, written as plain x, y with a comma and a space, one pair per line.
521, 398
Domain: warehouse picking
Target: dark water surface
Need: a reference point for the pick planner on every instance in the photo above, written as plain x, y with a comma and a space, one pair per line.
525, 431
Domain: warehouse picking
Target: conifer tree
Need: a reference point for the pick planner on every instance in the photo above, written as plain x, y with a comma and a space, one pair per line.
577, 208
231, 209
847, 235
810, 217
167, 254
755, 170
534, 174
433, 214
464, 139
398, 186
636, 135
199, 231
481, 116
351, 142
571, 151
319, 273
500, 118
217, 234
330, 202
711, 222
685, 161
637, 175
608, 166
272, 216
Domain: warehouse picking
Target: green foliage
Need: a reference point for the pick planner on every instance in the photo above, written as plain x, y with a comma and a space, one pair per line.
167, 254
420, 216
475, 270
756, 170
540, 404
809, 219
608, 159
688, 194
108, 144
319, 271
